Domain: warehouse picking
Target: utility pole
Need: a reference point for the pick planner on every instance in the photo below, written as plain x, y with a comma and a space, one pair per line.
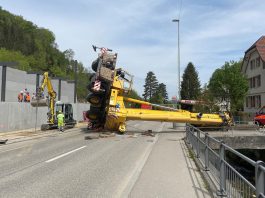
179, 97
75, 88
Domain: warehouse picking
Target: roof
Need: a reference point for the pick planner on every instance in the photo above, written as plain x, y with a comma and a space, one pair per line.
260, 46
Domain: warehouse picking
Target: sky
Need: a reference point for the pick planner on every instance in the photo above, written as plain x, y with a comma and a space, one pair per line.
144, 36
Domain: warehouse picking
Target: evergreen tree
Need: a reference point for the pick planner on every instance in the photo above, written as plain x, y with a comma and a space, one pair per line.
150, 87
190, 85
161, 96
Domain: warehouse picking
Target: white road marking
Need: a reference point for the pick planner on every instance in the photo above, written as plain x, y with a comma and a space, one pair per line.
60, 156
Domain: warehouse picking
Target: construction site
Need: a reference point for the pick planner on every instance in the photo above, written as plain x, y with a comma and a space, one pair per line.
78, 117
140, 152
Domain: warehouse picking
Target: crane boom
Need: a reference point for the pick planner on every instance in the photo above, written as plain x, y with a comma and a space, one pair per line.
108, 107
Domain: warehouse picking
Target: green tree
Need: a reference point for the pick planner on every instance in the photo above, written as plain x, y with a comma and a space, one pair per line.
133, 94
161, 96
150, 87
35, 49
206, 102
229, 84
190, 85
15, 56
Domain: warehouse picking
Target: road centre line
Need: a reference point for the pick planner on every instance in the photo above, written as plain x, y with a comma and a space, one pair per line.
65, 154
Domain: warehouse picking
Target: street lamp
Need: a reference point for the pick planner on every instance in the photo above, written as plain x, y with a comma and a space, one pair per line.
177, 20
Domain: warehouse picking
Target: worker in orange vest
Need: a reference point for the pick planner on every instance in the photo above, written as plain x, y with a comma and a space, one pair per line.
27, 97
20, 97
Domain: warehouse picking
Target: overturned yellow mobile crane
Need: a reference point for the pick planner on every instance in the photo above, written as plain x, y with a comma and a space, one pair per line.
109, 87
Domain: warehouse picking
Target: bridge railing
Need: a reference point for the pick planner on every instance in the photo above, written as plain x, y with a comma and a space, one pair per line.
228, 179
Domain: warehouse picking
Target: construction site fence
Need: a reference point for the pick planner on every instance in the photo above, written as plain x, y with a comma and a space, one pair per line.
226, 178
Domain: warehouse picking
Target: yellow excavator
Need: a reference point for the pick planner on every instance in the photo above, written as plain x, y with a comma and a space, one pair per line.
109, 88
53, 107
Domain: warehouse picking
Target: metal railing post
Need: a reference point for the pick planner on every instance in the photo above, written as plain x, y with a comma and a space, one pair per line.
198, 144
222, 190
187, 134
260, 178
192, 136
206, 152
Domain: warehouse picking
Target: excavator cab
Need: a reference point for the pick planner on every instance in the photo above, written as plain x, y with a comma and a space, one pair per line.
67, 110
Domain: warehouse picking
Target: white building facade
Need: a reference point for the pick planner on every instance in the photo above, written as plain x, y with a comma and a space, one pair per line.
254, 68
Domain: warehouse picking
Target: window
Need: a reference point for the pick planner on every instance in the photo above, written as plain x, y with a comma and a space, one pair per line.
253, 82
257, 62
258, 101
258, 81
251, 64
252, 101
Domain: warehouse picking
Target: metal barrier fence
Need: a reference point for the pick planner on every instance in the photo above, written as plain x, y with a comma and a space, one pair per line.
229, 181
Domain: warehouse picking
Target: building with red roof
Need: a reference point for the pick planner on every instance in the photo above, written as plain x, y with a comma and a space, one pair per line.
254, 68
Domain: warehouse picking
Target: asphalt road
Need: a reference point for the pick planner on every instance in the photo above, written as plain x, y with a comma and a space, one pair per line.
67, 165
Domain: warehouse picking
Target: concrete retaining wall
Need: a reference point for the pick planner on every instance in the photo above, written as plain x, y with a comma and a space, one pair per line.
20, 116
242, 142
67, 91
0, 80
17, 80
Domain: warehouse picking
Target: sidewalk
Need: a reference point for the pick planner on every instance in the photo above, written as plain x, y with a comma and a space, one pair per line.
18, 136
28, 134
170, 171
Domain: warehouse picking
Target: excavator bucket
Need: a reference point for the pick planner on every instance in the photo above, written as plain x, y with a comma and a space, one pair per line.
39, 102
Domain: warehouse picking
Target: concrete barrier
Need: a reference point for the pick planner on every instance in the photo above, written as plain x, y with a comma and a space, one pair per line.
17, 80
20, 116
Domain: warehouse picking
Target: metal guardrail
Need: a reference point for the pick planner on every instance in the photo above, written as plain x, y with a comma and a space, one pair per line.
229, 181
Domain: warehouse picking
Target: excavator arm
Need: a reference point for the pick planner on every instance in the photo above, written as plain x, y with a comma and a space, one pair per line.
41, 101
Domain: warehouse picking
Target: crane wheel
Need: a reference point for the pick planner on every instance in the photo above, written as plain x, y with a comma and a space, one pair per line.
93, 113
94, 99
94, 65
122, 128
